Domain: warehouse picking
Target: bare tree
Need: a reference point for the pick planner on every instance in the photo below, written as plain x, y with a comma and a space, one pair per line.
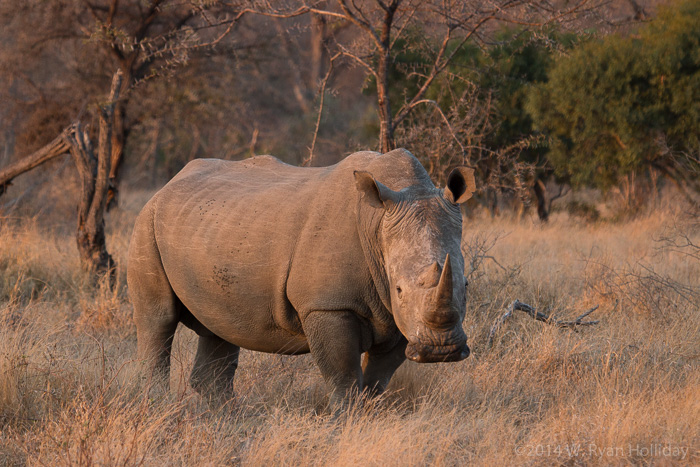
93, 169
83, 41
142, 41
94, 173
445, 27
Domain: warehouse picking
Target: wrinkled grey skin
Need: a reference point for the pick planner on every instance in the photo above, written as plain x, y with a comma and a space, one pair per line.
360, 257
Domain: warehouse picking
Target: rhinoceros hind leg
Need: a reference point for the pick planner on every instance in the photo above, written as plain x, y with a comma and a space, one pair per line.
379, 367
156, 307
154, 348
214, 366
335, 343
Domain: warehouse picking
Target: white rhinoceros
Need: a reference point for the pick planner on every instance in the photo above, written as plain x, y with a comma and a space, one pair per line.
360, 257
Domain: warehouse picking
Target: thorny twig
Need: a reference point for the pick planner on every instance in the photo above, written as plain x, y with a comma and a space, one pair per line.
679, 241
477, 249
642, 286
322, 93
518, 305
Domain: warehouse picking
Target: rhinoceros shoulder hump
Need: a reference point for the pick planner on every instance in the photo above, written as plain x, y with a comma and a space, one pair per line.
399, 169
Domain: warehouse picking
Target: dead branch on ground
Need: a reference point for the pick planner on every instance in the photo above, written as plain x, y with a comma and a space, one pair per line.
520, 306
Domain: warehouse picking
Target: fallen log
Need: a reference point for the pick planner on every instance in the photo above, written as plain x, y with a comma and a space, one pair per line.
517, 305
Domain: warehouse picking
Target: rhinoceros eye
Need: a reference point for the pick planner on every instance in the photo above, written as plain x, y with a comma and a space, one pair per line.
399, 291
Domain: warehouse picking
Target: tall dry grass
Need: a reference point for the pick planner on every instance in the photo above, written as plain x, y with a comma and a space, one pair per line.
626, 391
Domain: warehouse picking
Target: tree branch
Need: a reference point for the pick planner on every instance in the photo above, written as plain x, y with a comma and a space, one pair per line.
438, 67
54, 149
359, 22
445, 119
520, 306
104, 151
322, 91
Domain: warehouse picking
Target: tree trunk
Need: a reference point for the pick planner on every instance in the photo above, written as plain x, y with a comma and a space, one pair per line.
90, 235
318, 38
541, 195
94, 173
293, 69
118, 139
386, 127
492, 201
54, 149
119, 132
386, 120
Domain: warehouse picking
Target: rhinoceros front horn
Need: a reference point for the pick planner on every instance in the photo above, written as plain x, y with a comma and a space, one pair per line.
443, 295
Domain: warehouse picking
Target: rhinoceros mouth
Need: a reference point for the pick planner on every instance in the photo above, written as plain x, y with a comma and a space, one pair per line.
422, 353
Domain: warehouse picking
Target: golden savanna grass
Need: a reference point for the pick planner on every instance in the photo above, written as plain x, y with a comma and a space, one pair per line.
625, 391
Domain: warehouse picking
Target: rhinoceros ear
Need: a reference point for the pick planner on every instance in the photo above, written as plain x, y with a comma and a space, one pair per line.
375, 193
460, 185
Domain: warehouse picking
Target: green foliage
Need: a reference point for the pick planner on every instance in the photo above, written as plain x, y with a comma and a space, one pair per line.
620, 104
411, 59
501, 75
521, 59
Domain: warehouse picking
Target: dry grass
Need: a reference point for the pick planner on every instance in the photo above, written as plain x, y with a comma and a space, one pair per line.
624, 391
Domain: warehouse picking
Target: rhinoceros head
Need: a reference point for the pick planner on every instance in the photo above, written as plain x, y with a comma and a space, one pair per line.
420, 236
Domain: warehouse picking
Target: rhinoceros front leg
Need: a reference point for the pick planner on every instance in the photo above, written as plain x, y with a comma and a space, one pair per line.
214, 366
379, 367
335, 342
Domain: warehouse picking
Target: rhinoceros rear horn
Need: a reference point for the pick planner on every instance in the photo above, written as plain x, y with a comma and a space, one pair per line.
460, 185
375, 193
443, 295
